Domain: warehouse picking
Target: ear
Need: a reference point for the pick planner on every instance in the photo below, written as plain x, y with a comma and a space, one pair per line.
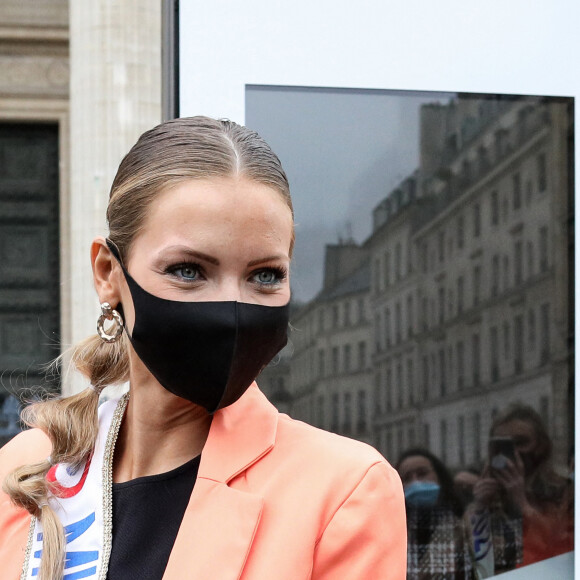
106, 272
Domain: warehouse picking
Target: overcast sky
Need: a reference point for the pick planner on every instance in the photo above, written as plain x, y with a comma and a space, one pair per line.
344, 150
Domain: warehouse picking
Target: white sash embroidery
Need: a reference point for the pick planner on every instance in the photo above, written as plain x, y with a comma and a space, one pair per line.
83, 505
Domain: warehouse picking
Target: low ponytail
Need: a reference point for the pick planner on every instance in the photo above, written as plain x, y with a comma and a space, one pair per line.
71, 424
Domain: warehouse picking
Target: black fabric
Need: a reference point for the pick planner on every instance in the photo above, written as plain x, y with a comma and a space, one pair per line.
147, 513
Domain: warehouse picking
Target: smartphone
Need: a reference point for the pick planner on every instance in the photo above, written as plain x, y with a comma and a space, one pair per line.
500, 449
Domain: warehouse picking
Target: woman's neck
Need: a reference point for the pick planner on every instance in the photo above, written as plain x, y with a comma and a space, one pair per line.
159, 432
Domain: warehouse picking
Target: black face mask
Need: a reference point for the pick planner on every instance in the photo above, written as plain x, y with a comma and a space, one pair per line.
206, 352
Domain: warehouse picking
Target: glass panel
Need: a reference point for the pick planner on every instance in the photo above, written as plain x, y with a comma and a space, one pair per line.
447, 219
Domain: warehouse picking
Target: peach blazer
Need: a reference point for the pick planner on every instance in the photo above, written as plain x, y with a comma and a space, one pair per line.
274, 499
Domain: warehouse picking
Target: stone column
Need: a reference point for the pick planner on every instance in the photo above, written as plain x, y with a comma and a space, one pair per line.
115, 95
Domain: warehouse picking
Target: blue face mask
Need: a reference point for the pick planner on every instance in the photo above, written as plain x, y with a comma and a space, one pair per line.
422, 493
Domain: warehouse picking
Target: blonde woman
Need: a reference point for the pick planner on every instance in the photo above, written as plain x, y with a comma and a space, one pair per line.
193, 474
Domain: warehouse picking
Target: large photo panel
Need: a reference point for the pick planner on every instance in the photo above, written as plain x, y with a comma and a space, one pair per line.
430, 151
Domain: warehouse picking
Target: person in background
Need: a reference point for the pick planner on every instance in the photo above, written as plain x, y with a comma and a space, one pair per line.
524, 504
437, 542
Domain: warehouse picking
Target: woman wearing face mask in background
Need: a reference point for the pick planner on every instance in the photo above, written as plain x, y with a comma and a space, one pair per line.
437, 540
193, 474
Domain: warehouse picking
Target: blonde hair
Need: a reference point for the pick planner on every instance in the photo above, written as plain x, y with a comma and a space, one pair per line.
175, 151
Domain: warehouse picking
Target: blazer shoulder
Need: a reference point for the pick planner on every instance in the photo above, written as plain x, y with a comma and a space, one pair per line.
320, 441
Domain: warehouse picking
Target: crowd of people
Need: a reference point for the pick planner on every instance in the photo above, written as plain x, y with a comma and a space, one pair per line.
513, 510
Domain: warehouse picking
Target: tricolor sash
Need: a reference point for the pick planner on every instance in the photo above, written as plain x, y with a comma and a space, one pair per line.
83, 503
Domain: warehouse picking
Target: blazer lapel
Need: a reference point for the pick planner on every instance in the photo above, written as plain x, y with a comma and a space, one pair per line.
216, 533
220, 521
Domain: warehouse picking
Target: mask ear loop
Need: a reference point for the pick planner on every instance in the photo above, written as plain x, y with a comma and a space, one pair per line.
115, 251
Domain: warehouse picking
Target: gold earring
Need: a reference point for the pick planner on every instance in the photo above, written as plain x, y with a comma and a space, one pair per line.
107, 313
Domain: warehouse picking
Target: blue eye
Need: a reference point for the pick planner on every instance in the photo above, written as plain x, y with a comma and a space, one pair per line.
269, 276
187, 272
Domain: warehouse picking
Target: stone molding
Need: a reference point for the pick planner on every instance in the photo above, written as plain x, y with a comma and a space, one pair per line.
38, 76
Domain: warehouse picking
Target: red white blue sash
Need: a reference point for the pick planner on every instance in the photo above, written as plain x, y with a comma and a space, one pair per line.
83, 503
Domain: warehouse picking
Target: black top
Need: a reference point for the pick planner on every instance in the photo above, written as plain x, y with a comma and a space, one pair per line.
147, 513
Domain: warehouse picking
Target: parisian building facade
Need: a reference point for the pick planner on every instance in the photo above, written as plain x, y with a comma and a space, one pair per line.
459, 302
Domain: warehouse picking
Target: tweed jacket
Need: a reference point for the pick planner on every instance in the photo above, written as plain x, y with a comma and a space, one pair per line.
274, 499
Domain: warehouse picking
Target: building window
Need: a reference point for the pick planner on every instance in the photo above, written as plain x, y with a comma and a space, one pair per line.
494, 346
425, 313
335, 362
545, 333
410, 381
346, 313
362, 355
441, 295
506, 272
495, 275
461, 438
321, 321
518, 344
410, 315
320, 412
460, 232
388, 326
476, 358
517, 191
321, 363
426, 435
425, 366
543, 249
398, 323
545, 410
477, 437
361, 309
335, 316
361, 423
460, 366
379, 393
347, 425
494, 208
531, 329
398, 262
387, 269
399, 385
443, 440
476, 220
347, 361
529, 191
460, 289
335, 412
442, 373
518, 262
389, 379
376, 276
542, 181
476, 285
507, 343
441, 246
378, 332
530, 251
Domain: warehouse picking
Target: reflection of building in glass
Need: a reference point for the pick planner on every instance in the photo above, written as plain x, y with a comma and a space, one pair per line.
457, 303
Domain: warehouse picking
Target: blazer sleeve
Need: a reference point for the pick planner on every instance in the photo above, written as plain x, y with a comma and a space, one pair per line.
366, 538
27, 447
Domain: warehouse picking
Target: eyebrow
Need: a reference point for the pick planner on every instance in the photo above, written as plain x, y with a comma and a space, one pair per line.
193, 253
215, 261
263, 260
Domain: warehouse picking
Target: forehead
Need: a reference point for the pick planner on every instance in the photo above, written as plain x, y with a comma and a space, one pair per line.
205, 209
515, 428
415, 463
